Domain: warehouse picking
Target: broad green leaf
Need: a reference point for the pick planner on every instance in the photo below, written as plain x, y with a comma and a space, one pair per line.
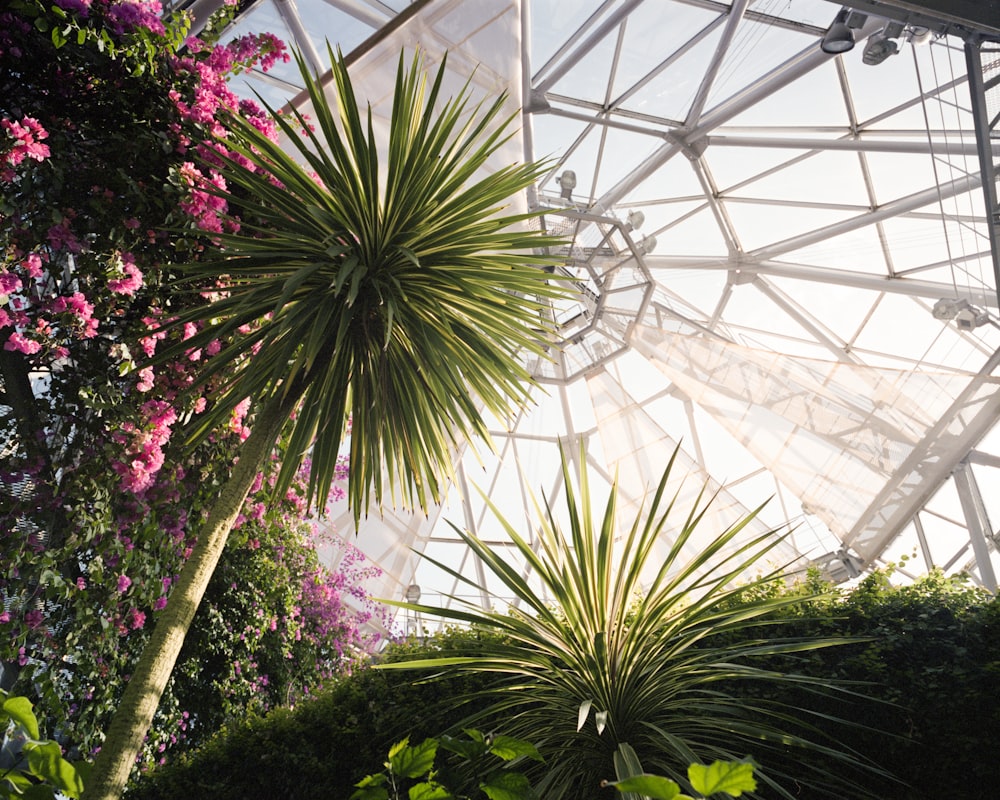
730, 777
413, 761
601, 719
654, 786
19, 710
371, 793
429, 790
583, 713
508, 748
504, 785
468, 749
45, 760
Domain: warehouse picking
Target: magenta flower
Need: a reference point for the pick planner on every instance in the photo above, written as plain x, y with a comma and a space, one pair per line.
9, 283
17, 342
131, 281
27, 135
124, 581
81, 7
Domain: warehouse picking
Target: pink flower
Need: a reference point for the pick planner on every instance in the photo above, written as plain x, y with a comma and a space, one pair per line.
17, 342
81, 7
9, 283
124, 581
27, 135
159, 604
145, 382
33, 264
4, 617
132, 280
138, 619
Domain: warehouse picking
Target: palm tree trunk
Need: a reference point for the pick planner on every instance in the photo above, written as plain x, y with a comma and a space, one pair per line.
134, 715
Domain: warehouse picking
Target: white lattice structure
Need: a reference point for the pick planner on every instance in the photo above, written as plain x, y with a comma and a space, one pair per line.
787, 253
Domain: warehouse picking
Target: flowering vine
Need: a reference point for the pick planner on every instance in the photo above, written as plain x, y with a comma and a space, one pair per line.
105, 107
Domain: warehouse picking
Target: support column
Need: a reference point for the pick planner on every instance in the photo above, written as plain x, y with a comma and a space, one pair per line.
977, 522
983, 63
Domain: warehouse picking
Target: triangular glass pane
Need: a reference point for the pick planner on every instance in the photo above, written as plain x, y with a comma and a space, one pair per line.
760, 224
648, 43
815, 99
554, 22
756, 50
830, 176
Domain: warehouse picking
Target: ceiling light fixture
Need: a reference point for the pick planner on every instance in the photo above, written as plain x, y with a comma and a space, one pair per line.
970, 318
635, 220
967, 316
881, 44
839, 38
567, 183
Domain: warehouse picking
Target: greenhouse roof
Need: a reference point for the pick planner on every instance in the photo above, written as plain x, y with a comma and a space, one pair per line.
787, 241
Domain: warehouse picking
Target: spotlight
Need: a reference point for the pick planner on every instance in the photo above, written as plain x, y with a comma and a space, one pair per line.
839, 38
635, 220
878, 49
947, 307
567, 183
647, 245
881, 45
967, 316
970, 318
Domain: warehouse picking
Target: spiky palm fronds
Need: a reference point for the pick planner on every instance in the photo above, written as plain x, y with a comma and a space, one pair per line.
604, 646
398, 291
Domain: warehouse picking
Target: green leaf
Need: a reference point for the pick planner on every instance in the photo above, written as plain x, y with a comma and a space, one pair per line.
469, 749
413, 761
654, 786
429, 790
45, 760
583, 713
730, 777
508, 748
19, 710
504, 785
372, 787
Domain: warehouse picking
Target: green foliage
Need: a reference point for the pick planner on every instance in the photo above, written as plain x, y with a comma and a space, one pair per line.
636, 652
932, 648
926, 668
731, 778
321, 747
41, 771
412, 767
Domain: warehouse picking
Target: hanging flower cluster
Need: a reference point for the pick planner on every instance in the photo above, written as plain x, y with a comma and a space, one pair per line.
105, 110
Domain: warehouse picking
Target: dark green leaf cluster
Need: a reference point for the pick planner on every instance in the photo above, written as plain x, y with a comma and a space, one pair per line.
320, 749
925, 672
31, 767
411, 770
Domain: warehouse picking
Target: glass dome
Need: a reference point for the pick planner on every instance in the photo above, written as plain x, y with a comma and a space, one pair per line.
788, 251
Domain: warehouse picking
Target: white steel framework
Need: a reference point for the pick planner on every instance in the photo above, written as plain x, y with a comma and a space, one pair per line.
788, 258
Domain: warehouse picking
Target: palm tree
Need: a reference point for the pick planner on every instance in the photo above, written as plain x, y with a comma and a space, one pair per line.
398, 295
607, 651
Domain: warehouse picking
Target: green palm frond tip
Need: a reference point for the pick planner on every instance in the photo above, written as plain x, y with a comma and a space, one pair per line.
386, 280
